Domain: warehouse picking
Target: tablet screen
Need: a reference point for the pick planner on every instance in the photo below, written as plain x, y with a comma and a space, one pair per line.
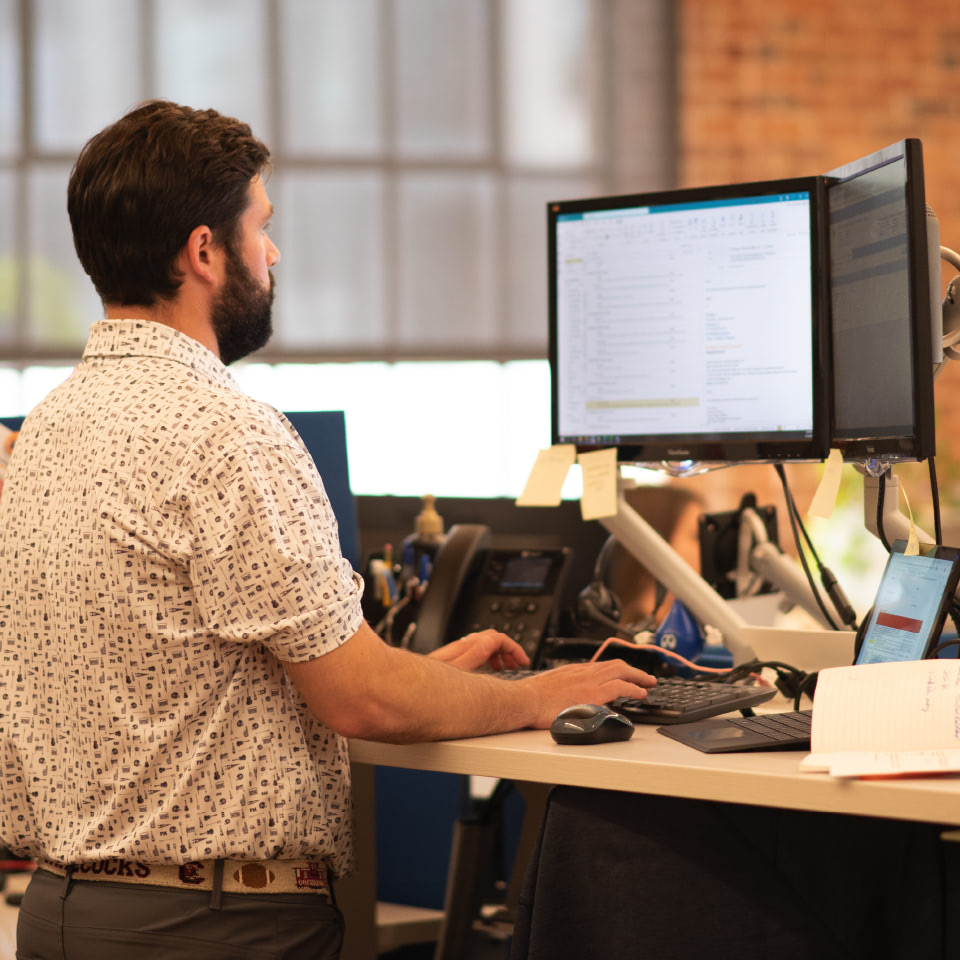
911, 604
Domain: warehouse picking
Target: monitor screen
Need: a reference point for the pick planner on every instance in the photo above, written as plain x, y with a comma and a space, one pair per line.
883, 350
691, 325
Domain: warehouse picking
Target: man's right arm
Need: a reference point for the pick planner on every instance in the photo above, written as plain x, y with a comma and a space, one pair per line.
367, 689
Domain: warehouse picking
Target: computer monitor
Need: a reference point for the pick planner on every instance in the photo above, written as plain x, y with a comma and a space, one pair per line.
691, 325
883, 347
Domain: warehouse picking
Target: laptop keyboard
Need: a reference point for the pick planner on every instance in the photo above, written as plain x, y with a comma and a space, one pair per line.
676, 700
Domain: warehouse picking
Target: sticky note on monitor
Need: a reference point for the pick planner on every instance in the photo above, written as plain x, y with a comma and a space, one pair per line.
547, 476
599, 498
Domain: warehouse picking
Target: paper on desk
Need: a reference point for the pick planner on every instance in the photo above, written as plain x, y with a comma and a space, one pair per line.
599, 497
547, 477
886, 718
863, 763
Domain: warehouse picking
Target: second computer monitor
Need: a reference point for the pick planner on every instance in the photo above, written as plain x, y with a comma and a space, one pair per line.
692, 325
883, 346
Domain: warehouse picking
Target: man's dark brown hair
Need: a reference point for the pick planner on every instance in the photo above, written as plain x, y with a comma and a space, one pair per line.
141, 186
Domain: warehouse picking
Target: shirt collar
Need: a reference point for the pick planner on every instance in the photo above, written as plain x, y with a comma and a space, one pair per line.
147, 338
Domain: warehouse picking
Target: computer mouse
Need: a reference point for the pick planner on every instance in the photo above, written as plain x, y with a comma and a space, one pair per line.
590, 723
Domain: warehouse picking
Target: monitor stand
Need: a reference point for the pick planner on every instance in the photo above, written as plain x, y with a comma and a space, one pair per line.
895, 525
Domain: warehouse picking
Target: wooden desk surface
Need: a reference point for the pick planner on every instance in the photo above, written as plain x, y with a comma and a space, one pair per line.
652, 763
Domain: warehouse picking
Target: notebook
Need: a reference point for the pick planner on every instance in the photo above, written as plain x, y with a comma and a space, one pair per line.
904, 624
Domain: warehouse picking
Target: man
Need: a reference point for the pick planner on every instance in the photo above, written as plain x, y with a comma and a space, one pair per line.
182, 650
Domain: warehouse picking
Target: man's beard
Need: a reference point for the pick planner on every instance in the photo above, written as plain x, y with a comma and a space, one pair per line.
241, 314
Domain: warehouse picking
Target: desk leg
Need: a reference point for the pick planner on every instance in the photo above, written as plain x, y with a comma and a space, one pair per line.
357, 895
470, 857
535, 797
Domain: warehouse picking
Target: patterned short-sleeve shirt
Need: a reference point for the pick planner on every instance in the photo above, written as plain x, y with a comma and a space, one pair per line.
165, 543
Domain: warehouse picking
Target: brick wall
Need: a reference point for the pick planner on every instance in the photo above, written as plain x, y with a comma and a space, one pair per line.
778, 88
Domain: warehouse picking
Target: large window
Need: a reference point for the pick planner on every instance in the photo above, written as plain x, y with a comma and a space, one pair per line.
479, 442
415, 144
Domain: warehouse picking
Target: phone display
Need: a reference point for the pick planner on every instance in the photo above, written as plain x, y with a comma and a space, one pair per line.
911, 604
525, 573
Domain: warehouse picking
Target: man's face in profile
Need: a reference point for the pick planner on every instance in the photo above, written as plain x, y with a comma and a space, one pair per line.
242, 314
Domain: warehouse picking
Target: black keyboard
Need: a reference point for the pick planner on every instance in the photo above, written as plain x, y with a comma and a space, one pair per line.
677, 700
768, 731
779, 728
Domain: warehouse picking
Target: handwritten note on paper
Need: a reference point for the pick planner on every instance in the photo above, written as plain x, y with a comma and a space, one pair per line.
599, 497
546, 479
891, 713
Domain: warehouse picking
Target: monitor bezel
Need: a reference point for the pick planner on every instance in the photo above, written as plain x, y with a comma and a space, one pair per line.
920, 442
761, 447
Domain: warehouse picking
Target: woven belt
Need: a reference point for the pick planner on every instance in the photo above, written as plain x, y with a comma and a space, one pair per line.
239, 876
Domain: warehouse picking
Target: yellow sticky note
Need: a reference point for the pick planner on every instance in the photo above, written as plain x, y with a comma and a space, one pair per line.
547, 477
825, 499
599, 497
913, 541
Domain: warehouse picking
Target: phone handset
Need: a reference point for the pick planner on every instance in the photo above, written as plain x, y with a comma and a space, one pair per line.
455, 562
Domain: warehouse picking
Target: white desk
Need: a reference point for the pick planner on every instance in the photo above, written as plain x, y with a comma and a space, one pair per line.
652, 763
649, 763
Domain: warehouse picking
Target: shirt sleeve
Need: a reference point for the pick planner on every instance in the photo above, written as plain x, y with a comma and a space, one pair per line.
267, 564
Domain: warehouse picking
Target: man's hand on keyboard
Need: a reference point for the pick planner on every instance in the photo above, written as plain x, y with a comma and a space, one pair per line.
598, 682
488, 647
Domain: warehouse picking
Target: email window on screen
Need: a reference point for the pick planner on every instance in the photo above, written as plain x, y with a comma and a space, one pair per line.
689, 318
906, 609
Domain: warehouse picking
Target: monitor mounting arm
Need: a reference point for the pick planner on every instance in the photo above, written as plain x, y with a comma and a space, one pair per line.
651, 550
759, 555
895, 525
951, 310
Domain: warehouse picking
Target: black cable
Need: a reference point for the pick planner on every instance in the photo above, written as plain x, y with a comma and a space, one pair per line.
935, 497
943, 645
953, 608
807, 687
881, 488
827, 578
830, 583
792, 506
792, 514
791, 681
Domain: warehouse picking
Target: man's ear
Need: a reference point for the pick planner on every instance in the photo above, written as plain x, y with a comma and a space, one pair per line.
201, 256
